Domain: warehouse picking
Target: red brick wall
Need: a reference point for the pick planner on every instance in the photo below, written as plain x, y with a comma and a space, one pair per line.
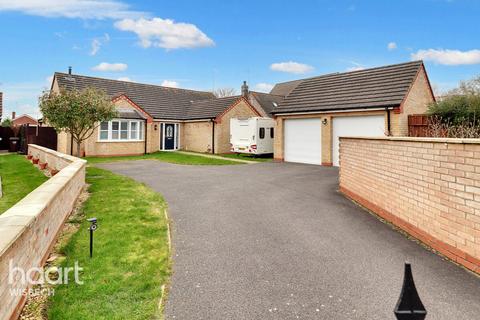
428, 187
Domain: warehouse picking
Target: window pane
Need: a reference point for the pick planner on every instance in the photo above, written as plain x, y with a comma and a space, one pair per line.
141, 130
262, 133
104, 125
115, 130
124, 130
134, 130
103, 135
271, 133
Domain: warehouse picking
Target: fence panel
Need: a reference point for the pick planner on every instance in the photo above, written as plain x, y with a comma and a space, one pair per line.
418, 125
41, 136
5, 134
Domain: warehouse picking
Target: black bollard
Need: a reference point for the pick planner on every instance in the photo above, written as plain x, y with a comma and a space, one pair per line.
409, 305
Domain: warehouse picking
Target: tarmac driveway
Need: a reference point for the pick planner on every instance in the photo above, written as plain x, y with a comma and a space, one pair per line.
277, 241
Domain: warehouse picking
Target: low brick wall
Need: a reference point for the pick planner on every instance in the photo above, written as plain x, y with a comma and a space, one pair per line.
428, 187
28, 229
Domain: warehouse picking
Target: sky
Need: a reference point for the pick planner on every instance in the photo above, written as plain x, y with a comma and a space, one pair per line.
210, 44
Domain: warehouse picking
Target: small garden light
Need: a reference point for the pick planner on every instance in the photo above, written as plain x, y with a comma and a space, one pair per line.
93, 227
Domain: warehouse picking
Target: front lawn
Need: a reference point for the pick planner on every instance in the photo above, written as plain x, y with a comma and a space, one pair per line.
131, 253
19, 178
243, 156
171, 157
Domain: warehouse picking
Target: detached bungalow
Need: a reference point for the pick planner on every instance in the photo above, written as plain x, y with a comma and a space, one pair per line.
153, 118
372, 102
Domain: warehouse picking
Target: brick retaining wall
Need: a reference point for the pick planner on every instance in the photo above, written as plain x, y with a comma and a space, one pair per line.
428, 187
28, 230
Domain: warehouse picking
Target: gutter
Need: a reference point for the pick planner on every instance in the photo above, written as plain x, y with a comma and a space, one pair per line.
213, 135
145, 135
332, 111
388, 122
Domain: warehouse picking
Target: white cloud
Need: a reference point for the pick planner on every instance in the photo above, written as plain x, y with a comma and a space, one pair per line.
356, 68
391, 46
23, 97
98, 42
111, 67
48, 81
124, 79
448, 57
170, 83
83, 9
291, 67
264, 87
165, 33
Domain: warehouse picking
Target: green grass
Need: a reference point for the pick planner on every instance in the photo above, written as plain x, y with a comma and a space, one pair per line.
131, 256
243, 156
171, 157
19, 178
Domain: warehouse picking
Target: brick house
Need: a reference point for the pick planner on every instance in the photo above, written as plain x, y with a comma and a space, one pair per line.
23, 119
371, 102
153, 118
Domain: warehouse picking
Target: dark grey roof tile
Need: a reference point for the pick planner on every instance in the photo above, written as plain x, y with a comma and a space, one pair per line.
377, 87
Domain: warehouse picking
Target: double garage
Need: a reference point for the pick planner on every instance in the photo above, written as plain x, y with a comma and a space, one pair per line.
316, 140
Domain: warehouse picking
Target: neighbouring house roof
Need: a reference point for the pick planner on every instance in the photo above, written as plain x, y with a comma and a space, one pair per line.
160, 102
1, 104
24, 118
267, 101
370, 88
284, 88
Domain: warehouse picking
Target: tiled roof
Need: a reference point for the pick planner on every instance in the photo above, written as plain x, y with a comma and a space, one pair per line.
160, 102
284, 88
203, 109
370, 88
268, 102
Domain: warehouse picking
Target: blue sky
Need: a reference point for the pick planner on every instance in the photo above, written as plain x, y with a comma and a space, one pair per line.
211, 44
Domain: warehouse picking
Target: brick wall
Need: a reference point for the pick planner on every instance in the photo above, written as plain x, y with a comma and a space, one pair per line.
28, 229
428, 187
197, 136
416, 102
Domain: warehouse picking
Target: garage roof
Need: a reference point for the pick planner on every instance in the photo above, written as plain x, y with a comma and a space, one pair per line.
370, 88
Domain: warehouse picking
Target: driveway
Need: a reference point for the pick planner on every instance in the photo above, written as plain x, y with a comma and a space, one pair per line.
277, 241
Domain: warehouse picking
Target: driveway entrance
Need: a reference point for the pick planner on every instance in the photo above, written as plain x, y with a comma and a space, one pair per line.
277, 241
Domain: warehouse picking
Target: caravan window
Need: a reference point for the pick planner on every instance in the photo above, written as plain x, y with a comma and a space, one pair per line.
271, 133
262, 133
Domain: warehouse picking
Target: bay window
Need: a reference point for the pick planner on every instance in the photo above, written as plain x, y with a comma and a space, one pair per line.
121, 130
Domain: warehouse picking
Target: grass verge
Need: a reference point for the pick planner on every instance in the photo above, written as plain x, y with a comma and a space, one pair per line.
243, 156
171, 157
131, 255
19, 178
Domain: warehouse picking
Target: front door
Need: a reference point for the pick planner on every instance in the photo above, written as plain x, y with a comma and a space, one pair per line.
169, 136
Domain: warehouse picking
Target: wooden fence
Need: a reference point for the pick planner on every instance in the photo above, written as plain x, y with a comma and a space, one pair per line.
41, 136
418, 125
5, 134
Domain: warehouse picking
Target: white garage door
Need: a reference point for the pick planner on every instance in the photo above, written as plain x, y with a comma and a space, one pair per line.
372, 126
303, 141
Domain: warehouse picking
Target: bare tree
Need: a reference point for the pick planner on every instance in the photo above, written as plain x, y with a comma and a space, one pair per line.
224, 92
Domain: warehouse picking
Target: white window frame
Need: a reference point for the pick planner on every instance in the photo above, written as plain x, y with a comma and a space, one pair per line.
140, 131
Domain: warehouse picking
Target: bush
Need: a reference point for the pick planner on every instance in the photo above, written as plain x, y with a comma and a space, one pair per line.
458, 109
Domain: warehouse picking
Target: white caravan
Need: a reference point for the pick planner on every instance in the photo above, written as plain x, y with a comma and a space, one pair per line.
252, 135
